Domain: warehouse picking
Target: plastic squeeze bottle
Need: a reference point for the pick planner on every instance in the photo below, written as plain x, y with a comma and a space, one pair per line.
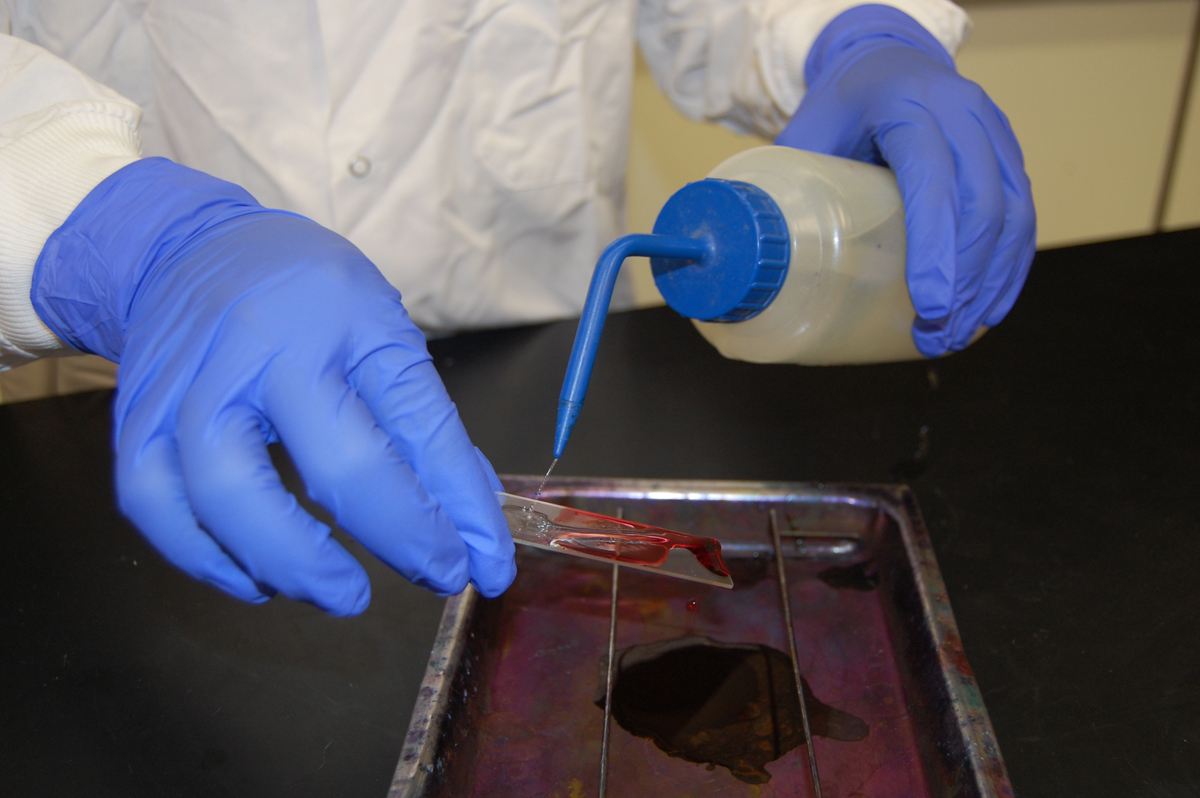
778, 256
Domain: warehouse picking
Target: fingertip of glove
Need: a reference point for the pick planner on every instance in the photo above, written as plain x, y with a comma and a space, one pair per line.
486, 593
243, 589
351, 601
929, 337
930, 349
444, 592
445, 581
496, 582
936, 339
239, 592
494, 569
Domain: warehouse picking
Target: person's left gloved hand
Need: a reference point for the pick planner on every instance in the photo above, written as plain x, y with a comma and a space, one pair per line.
236, 326
882, 89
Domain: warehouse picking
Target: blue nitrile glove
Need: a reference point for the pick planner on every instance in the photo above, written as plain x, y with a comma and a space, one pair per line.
236, 326
882, 89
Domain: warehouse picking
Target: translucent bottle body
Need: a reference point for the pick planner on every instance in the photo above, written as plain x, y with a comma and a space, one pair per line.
845, 299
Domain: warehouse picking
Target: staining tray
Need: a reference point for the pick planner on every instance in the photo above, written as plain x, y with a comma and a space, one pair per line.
509, 702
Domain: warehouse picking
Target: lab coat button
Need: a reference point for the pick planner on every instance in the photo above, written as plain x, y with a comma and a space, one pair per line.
360, 166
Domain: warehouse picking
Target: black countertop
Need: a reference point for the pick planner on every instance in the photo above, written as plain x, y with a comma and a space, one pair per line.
1057, 463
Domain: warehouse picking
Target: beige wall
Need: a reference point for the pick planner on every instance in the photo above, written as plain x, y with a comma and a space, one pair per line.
54, 376
1090, 87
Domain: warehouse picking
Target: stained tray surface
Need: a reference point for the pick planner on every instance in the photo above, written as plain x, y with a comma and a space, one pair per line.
524, 722
542, 733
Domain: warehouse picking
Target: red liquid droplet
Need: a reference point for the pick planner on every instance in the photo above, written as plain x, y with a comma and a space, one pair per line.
693, 605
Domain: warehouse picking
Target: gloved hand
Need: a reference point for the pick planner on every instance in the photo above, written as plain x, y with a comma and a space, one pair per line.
882, 89
236, 326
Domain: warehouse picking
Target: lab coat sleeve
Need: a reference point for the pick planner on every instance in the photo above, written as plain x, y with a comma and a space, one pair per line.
741, 62
61, 134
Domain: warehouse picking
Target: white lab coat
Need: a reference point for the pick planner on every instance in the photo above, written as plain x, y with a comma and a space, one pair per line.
473, 149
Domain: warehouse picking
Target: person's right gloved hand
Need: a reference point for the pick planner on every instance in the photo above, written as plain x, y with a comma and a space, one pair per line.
236, 326
882, 89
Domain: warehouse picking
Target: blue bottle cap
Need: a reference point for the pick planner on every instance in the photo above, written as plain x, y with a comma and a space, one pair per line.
749, 250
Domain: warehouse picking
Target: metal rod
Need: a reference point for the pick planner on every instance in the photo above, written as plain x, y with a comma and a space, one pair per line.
791, 638
608, 678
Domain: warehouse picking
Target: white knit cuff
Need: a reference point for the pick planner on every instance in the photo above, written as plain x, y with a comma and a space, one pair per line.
784, 48
44, 174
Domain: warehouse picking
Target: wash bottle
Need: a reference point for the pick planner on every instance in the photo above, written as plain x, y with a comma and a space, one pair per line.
779, 256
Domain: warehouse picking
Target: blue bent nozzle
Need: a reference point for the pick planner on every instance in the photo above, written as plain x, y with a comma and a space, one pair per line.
719, 251
595, 309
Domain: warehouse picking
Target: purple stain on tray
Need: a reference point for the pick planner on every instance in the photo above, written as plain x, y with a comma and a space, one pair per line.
727, 704
526, 727
540, 732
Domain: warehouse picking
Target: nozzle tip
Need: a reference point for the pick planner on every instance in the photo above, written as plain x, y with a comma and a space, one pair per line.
568, 411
